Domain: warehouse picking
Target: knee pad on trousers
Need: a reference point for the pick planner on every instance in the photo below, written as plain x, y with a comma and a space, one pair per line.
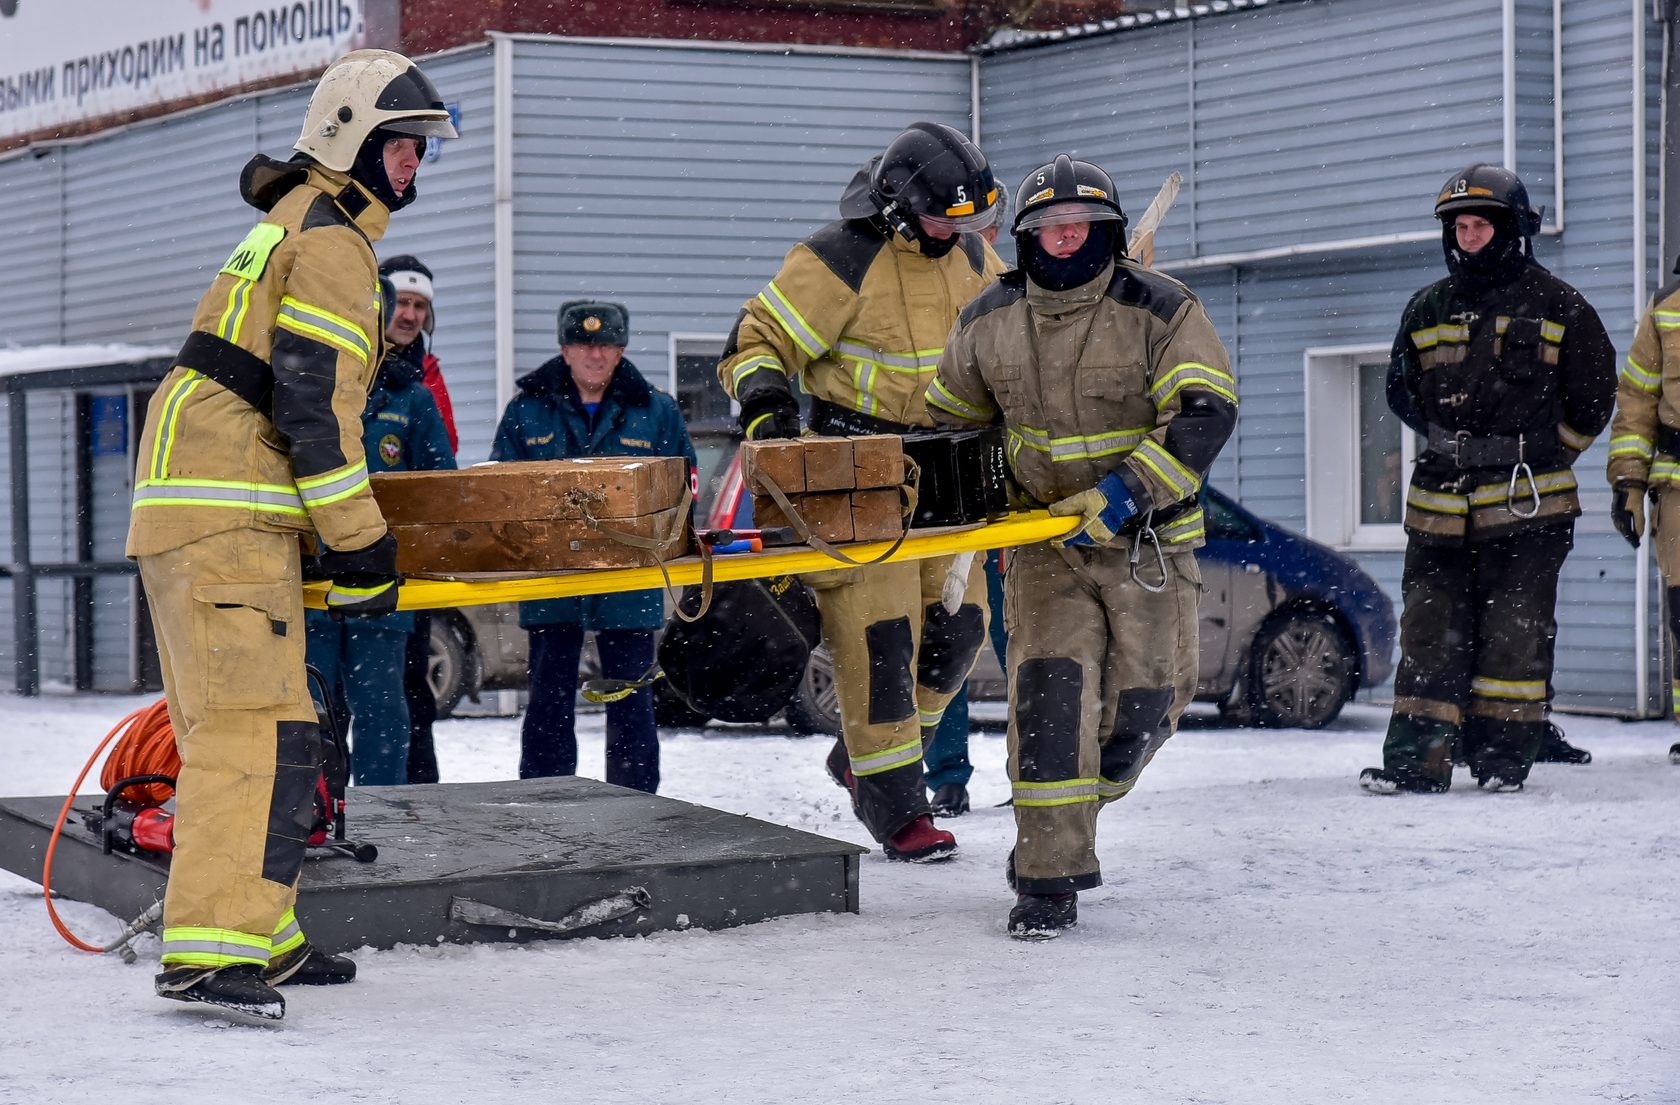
892, 685
1139, 724
1048, 692
950, 642
291, 809
1674, 612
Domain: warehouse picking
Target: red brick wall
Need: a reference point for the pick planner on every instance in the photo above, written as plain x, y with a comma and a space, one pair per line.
429, 25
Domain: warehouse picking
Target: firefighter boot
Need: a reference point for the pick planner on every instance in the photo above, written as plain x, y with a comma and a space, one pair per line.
920, 842
307, 965
1417, 758
1555, 750
839, 764
1043, 916
1674, 753
239, 988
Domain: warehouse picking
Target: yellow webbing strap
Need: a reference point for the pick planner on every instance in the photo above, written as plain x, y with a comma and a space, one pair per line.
483, 589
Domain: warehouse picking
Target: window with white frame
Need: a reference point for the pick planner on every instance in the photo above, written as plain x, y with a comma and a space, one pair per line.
1359, 453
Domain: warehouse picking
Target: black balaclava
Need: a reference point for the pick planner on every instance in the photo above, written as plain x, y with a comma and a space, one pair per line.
1499, 262
369, 170
1060, 274
931, 246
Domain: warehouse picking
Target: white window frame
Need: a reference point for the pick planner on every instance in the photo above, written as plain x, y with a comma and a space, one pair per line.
1332, 451
680, 343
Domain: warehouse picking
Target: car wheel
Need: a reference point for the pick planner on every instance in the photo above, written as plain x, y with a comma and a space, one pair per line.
672, 711
815, 706
451, 664
1301, 673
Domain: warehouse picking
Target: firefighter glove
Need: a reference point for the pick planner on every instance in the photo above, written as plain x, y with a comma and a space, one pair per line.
364, 581
770, 415
1627, 510
1104, 509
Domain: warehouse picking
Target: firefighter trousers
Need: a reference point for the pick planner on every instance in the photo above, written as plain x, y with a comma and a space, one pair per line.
1100, 670
899, 658
1664, 530
1476, 636
227, 611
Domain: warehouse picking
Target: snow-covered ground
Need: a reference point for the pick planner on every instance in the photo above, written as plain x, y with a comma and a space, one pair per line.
1268, 935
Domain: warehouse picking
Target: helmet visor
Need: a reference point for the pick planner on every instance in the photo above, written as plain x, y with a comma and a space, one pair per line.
428, 127
980, 220
1068, 211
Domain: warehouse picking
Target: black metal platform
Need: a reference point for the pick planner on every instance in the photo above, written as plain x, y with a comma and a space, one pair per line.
495, 862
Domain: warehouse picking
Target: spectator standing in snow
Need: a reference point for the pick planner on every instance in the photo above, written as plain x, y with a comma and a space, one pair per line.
1509, 373
409, 334
591, 402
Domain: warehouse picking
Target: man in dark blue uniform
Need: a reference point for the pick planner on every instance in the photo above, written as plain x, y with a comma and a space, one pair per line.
591, 402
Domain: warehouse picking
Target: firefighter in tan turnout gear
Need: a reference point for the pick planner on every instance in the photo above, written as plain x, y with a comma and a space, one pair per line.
1507, 372
1116, 396
252, 445
1645, 448
859, 312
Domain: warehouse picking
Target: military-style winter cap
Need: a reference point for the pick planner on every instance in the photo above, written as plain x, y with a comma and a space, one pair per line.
594, 322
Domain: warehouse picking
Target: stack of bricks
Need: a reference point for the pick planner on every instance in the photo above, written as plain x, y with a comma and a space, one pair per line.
845, 488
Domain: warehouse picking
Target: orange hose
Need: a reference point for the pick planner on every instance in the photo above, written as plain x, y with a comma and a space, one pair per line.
146, 749
148, 726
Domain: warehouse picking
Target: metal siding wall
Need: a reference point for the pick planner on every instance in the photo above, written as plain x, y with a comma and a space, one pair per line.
451, 229
674, 180
32, 226
7, 654
151, 213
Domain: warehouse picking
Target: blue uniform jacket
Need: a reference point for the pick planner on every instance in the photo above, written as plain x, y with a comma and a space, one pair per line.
547, 421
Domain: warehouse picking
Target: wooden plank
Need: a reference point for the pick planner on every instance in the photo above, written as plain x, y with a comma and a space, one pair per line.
782, 459
877, 461
877, 515
530, 545
514, 491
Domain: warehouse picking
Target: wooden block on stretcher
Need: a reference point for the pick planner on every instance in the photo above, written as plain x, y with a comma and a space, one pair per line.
782, 459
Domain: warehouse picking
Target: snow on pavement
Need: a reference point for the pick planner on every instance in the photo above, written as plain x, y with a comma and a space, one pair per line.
1268, 934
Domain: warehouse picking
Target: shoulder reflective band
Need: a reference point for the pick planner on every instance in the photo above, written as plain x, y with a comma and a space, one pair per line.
250, 257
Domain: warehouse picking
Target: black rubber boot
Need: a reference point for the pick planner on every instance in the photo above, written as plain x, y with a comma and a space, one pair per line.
950, 800
1555, 750
307, 965
1009, 869
1674, 753
239, 988
1043, 916
839, 765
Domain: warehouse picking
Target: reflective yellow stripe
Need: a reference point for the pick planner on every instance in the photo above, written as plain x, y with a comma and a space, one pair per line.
1551, 331
1064, 792
313, 322
340, 594
1187, 528
1632, 445
1637, 375
218, 493
1167, 467
1665, 471
330, 487
921, 362
1437, 502
165, 441
886, 760
1520, 690
748, 367
1193, 374
792, 321
1667, 320
930, 718
1489, 494
287, 935
1434, 335
938, 395
212, 947
1079, 446
239, 303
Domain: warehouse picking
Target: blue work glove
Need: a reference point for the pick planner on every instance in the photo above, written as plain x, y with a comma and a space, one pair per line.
364, 581
1105, 508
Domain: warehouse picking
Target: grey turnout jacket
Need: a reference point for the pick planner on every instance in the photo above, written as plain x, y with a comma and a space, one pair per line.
1124, 373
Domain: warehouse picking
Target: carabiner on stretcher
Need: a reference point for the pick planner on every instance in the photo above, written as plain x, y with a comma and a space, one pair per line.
1521, 469
1147, 532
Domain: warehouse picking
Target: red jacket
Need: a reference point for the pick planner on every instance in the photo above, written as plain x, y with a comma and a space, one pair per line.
433, 379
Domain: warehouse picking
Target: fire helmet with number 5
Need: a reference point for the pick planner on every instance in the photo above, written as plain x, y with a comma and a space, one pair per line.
1068, 191
929, 174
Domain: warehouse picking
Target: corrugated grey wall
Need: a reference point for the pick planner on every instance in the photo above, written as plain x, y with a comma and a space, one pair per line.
1328, 122
673, 179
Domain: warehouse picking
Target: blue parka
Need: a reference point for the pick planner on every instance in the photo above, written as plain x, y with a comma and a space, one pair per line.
547, 421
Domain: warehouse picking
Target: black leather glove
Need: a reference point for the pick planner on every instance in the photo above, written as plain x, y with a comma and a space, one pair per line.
770, 416
1627, 510
364, 581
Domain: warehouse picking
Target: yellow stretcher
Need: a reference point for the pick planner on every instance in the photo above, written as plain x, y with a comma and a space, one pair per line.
480, 590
